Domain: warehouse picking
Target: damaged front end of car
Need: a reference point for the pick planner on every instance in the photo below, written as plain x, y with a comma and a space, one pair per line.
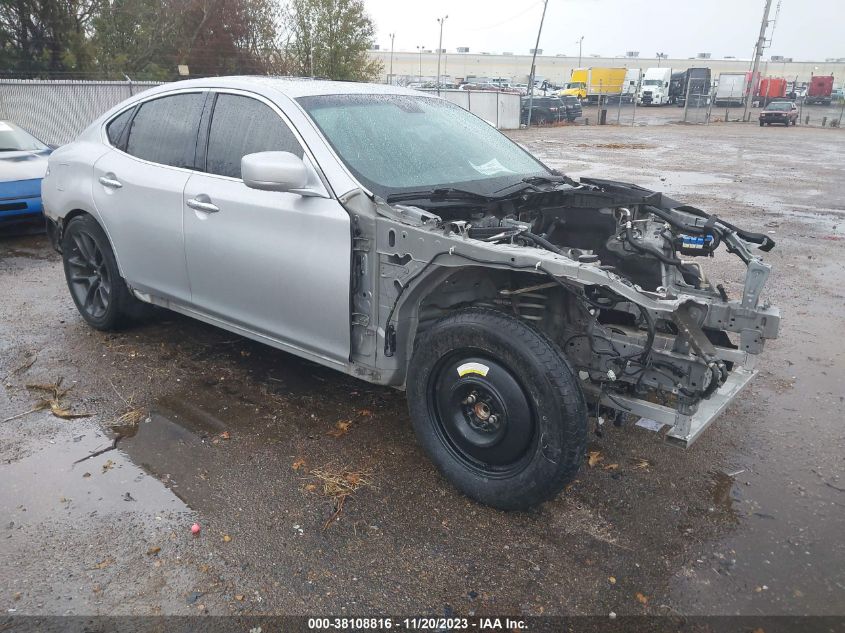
611, 272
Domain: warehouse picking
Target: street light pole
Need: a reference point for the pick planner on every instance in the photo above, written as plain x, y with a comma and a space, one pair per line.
580, 42
439, 50
420, 49
534, 66
390, 77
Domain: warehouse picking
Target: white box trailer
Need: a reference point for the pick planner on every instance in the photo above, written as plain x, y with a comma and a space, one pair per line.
732, 89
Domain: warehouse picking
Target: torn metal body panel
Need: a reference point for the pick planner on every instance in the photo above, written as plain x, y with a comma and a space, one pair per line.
606, 270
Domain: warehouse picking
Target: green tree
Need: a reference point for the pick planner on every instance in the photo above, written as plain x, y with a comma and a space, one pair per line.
330, 38
136, 38
47, 36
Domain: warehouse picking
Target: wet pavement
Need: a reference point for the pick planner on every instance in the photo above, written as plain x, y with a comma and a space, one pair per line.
199, 425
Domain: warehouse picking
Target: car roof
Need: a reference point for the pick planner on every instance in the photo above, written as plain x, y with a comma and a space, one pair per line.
293, 87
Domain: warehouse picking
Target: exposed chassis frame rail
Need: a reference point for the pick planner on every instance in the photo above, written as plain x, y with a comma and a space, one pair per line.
685, 429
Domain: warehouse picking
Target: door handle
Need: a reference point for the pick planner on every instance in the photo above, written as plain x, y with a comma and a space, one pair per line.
112, 183
205, 207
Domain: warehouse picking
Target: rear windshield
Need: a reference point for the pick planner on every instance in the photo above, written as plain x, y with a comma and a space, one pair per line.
780, 105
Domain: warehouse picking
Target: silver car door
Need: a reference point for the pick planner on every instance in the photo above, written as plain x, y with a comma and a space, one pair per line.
138, 189
275, 263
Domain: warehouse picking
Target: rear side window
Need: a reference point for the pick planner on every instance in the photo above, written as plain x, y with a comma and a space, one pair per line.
165, 130
117, 126
240, 126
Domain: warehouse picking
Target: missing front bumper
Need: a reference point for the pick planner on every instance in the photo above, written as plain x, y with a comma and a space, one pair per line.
685, 429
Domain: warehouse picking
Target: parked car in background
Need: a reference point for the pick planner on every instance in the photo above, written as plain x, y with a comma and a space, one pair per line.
545, 110
23, 162
783, 112
573, 108
837, 95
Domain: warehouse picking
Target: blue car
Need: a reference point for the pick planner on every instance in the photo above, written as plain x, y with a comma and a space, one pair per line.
23, 163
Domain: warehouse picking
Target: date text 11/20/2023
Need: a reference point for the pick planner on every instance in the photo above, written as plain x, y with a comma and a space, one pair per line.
418, 624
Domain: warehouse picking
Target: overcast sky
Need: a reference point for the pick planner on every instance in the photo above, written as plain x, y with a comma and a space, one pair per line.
805, 29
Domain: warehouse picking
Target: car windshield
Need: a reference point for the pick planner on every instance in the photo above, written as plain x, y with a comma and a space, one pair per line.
779, 105
652, 82
400, 143
575, 84
14, 139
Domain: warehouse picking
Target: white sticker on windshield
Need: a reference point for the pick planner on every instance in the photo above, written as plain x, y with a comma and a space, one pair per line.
491, 168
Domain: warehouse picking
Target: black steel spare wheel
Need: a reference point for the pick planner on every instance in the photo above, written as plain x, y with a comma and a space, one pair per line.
497, 408
482, 413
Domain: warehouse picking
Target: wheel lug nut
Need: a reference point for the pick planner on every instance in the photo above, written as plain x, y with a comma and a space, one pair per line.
470, 399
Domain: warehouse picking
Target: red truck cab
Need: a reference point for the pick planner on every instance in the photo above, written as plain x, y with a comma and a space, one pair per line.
819, 90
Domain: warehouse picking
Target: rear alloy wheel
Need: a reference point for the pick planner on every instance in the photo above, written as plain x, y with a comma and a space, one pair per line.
497, 408
94, 281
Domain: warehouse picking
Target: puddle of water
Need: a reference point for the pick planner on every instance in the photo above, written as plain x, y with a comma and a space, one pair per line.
47, 485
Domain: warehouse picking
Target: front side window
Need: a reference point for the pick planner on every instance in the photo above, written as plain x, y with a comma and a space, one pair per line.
399, 143
116, 127
165, 130
240, 126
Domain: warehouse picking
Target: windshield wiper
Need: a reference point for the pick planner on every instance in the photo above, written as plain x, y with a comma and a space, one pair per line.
441, 194
531, 182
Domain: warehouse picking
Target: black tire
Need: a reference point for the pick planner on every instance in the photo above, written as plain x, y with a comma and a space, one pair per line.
537, 442
93, 278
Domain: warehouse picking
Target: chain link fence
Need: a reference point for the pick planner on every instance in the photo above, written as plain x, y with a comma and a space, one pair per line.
56, 111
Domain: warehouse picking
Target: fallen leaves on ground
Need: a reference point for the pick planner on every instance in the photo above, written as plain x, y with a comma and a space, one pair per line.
298, 463
339, 485
341, 428
226, 538
642, 598
610, 466
104, 563
640, 464
53, 400
593, 458
153, 551
225, 435
108, 465
130, 418
612, 580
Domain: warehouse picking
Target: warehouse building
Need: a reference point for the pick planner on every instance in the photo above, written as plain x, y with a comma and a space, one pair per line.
411, 66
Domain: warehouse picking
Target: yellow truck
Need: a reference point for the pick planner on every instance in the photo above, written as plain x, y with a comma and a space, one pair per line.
588, 83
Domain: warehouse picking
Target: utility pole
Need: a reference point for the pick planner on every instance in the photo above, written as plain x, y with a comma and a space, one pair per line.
758, 53
390, 76
533, 65
420, 49
580, 42
440, 50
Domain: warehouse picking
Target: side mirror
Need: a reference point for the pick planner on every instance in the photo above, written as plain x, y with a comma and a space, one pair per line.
275, 171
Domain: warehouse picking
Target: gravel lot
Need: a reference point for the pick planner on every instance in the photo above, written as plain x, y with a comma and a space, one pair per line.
233, 435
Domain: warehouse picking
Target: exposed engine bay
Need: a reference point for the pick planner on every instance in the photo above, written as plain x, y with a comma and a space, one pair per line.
617, 280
